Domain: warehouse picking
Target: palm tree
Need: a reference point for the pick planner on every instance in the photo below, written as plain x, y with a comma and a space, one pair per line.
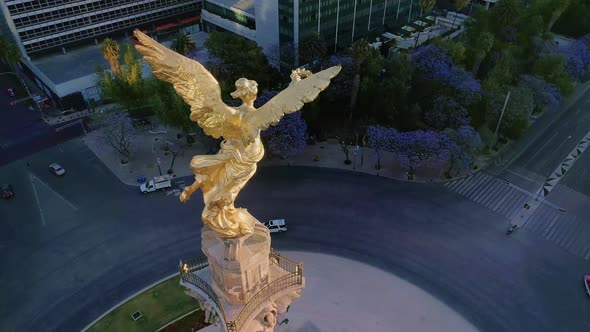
484, 44
557, 8
311, 48
9, 53
508, 11
110, 52
459, 4
182, 43
425, 6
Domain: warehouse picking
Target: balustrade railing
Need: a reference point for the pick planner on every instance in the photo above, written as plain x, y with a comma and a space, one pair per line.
293, 278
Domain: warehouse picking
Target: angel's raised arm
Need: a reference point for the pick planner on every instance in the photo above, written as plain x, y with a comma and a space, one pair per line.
192, 82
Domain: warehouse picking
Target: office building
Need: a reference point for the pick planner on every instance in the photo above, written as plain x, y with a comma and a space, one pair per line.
278, 22
42, 28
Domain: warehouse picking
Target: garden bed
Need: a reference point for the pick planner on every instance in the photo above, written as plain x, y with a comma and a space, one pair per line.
158, 306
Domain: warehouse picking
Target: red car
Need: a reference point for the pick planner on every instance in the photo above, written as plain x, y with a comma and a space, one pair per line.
587, 283
6, 191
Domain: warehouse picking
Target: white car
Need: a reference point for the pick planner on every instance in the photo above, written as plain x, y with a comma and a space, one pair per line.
276, 225
57, 169
157, 183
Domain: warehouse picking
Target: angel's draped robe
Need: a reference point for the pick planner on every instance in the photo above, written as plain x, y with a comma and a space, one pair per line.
222, 176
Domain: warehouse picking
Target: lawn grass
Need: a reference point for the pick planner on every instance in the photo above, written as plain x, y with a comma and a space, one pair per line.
159, 305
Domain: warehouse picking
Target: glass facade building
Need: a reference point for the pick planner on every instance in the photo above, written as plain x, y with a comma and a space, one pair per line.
337, 22
47, 24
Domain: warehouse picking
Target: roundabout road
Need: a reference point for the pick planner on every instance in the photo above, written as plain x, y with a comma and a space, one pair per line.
100, 241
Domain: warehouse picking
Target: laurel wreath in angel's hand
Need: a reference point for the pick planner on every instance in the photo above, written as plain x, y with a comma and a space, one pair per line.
201, 91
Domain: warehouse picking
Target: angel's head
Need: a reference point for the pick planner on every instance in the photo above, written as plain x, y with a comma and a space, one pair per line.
246, 90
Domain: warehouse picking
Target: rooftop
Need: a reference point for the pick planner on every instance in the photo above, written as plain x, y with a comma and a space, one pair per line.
243, 5
81, 62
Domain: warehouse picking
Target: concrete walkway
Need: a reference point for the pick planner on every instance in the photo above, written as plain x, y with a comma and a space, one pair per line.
348, 296
144, 161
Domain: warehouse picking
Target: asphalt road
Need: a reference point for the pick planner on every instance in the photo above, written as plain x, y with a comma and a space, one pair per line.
546, 153
100, 241
22, 131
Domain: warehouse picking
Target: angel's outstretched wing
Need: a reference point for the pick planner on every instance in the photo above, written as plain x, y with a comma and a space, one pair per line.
291, 99
194, 84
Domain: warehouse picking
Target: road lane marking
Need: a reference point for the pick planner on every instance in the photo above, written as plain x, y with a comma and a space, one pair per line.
552, 180
543, 146
37, 199
53, 191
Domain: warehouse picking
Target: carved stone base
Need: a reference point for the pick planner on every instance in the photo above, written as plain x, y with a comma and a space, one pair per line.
239, 266
242, 282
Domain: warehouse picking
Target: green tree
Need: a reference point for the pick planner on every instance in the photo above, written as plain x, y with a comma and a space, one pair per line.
169, 106
552, 69
459, 4
516, 116
482, 47
110, 52
574, 21
507, 11
427, 5
9, 53
502, 74
455, 48
311, 48
554, 10
360, 50
243, 58
127, 88
182, 43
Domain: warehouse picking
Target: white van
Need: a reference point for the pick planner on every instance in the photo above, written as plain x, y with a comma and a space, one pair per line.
276, 225
157, 183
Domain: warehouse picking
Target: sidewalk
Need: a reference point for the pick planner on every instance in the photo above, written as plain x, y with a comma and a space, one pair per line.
144, 161
147, 148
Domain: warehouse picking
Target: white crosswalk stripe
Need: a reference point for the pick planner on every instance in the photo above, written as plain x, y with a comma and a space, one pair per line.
567, 231
491, 192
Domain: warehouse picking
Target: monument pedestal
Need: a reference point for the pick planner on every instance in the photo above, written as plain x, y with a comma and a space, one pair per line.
241, 283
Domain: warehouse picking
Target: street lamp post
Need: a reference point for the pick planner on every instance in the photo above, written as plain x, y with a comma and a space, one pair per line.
496, 134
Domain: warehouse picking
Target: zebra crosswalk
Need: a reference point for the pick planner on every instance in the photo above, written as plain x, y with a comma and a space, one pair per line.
565, 230
493, 193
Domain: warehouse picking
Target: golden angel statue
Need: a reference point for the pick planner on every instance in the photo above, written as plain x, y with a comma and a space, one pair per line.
222, 176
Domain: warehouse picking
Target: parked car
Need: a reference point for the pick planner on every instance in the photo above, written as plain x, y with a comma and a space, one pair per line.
587, 283
57, 169
11, 92
157, 183
6, 190
276, 225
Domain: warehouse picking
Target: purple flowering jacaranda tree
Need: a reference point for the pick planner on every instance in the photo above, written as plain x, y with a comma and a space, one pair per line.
436, 64
545, 94
577, 57
379, 139
419, 148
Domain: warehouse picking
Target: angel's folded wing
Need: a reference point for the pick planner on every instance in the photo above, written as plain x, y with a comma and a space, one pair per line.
291, 99
193, 83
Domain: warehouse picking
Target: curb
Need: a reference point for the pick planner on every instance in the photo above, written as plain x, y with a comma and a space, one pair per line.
177, 319
127, 299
